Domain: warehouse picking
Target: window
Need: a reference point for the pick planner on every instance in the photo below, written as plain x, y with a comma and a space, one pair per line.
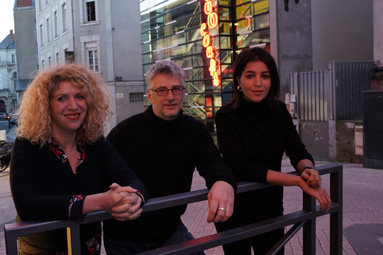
55, 24
49, 61
64, 21
93, 60
89, 10
42, 64
136, 97
48, 35
41, 36
13, 58
91, 55
39, 5
57, 58
14, 77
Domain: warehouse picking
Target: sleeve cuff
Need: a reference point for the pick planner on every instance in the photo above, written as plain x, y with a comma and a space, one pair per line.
76, 204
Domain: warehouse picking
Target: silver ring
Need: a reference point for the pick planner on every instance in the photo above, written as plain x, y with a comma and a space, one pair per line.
221, 208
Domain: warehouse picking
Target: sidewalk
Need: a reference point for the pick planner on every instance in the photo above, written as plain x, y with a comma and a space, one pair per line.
362, 213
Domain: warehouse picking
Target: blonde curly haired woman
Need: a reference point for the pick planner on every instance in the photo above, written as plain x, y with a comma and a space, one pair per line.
62, 167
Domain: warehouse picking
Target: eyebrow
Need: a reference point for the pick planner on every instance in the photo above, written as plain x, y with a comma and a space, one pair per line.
249, 71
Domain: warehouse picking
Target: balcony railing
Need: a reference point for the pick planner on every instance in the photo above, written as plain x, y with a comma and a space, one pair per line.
305, 218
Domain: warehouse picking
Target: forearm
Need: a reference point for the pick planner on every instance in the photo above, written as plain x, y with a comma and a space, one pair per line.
94, 203
303, 164
283, 179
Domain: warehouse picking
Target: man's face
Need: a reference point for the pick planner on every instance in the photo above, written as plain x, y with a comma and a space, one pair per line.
166, 107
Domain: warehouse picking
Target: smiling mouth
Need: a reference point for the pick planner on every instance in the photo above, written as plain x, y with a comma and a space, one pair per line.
73, 116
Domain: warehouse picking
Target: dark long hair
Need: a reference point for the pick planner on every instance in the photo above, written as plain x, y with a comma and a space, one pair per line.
252, 55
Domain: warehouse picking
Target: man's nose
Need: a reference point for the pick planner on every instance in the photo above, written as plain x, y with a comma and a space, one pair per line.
170, 95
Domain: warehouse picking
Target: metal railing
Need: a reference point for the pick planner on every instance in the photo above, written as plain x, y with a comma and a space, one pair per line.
305, 218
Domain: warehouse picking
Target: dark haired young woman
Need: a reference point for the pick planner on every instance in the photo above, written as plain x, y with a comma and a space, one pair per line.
254, 130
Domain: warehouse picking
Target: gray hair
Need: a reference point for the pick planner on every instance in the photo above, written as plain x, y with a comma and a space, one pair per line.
165, 66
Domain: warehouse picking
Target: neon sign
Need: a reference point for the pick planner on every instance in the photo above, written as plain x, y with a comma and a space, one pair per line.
211, 53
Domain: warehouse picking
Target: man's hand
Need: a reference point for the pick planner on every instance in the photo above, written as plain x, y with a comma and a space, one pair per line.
221, 202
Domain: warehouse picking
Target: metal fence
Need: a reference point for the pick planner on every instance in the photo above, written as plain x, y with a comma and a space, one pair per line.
305, 218
334, 94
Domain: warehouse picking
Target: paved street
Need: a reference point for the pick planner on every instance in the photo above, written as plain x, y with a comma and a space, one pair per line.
362, 215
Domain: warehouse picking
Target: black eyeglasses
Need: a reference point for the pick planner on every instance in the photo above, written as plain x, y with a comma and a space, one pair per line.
177, 90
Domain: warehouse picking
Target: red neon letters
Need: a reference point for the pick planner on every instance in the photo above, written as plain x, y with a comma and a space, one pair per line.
208, 41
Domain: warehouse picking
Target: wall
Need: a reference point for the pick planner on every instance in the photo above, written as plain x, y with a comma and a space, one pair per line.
124, 108
345, 140
127, 48
378, 35
342, 30
315, 135
25, 29
294, 41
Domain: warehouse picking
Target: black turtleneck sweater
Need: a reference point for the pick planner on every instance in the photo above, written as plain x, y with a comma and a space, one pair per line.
164, 155
252, 139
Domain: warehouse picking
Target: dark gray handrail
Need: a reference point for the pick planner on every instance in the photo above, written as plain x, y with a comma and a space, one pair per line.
305, 218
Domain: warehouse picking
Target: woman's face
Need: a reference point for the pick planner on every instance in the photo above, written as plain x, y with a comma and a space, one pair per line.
255, 81
68, 109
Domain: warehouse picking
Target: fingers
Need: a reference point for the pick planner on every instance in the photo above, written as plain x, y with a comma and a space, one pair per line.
221, 202
128, 208
118, 188
222, 214
324, 200
312, 178
127, 215
114, 186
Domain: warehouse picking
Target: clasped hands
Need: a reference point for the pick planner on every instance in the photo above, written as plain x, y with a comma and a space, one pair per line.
123, 202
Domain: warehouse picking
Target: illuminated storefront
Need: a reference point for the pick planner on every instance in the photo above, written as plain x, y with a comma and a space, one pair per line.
202, 36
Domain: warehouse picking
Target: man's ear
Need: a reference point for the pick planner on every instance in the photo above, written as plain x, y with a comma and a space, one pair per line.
149, 95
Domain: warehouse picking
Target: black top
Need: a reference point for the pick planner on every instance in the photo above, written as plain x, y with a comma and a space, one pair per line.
43, 187
164, 155
252, 140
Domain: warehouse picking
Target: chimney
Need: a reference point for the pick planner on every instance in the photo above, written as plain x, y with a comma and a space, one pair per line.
11, 36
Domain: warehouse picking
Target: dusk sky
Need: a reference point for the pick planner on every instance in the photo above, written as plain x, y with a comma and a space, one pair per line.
6, 17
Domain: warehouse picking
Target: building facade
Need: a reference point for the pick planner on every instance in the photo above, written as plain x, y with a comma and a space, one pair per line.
8, 74
26, 45
55, 33
204, 36
104, 36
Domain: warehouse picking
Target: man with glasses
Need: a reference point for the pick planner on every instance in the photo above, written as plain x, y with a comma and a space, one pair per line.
164, 146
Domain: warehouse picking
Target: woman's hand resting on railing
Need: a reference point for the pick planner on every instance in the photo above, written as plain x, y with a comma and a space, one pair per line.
127, 208
319, 193
285, 179
121, 202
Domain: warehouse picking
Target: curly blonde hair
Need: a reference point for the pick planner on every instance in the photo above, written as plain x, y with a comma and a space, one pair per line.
35, 114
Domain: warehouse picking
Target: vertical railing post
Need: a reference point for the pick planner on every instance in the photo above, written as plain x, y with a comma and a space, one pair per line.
10, 243
73, 238
336, 221
309, 229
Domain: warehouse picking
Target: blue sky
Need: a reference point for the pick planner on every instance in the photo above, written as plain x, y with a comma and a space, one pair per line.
6, 17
